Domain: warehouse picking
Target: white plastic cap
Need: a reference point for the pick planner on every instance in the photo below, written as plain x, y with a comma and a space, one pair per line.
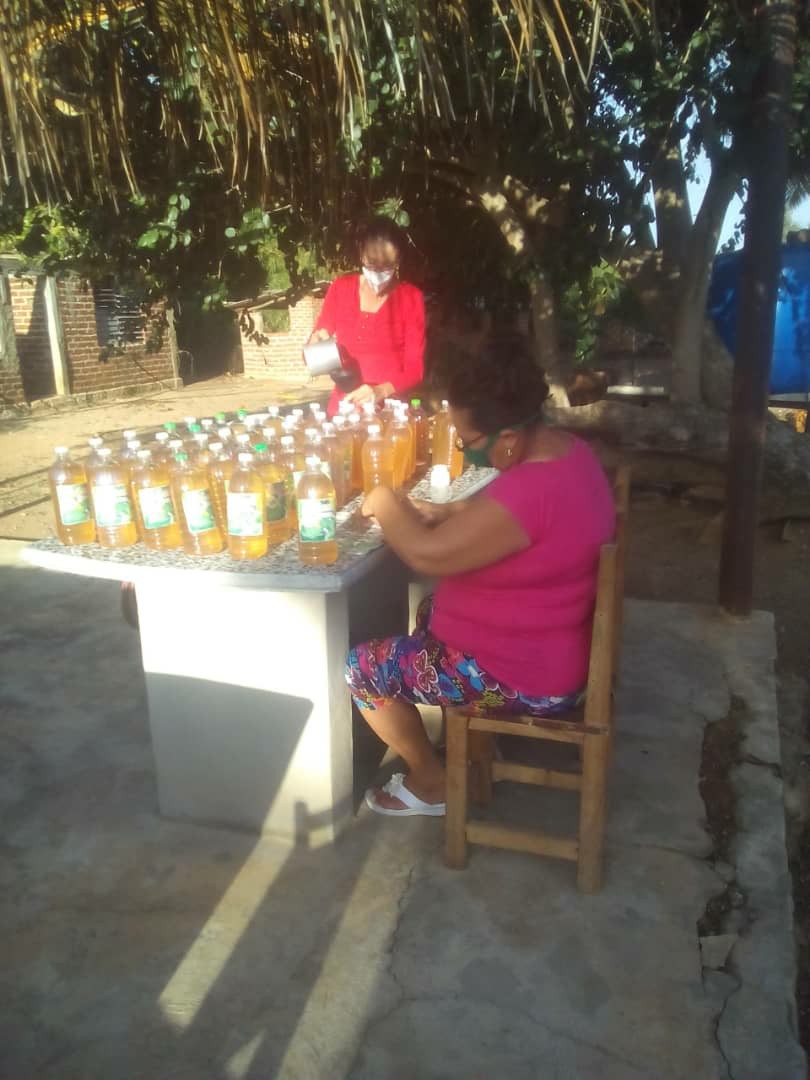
60, 450
96, 441
200, 438
245, 459
369, 408
162, 437
313, 462
374, 429
224, 432
105, 452
440, 476
144, 455
296, 412
272, 410
310, 432
189, 419
174, 443
287, 440
130, 433
133, 444
314, 406
215, 446
207, 422
328, 428
243, 438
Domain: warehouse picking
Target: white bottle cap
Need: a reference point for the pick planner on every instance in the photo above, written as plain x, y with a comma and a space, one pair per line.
96, 441
374, 429
224, 432
310, 432
313, 462
144, 455
287, 441
243, 438
439, 483
133, 444
215, 446
190, 419
272, 410
60, 450
200, 438
369, 408
245, 459
207, 422
162, 437
328, 429
130, 433
175, 443
105, 452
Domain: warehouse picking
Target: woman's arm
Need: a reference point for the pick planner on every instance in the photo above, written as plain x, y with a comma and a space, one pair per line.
413, 351
484, 534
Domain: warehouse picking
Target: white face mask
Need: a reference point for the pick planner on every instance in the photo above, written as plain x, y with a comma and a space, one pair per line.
377, 279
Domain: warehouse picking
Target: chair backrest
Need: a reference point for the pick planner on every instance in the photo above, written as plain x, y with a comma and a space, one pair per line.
601, 669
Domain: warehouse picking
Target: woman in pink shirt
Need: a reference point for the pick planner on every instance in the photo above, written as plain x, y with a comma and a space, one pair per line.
509, 625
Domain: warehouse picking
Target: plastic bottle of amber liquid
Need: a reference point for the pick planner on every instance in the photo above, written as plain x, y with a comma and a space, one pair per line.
112, 502
192, 492
155, 509
317, 517
378, 460
71, 499
246, 535
274, 475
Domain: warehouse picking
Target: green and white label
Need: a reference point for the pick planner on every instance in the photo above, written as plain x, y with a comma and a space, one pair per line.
245, 514
275, 504
317, 520
198, 510
112, 505
156, 507
74, 503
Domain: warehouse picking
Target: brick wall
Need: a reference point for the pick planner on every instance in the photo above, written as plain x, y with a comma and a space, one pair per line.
31, 329
92, 366
279, 355
11, 387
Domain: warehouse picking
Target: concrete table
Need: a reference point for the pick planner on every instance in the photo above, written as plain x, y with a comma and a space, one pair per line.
250, 717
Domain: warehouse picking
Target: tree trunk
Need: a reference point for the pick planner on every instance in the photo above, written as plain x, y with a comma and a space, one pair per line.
690, 319
672, 214
546, 337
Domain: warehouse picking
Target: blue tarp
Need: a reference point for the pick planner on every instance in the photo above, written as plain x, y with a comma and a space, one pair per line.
790, 366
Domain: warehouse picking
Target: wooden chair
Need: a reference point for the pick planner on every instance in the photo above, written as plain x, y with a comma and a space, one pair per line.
471, 742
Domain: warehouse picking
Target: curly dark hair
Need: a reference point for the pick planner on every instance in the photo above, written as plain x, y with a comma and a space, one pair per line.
501, 383
381, 229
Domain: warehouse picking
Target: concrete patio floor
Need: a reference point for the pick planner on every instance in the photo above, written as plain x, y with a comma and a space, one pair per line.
135, 947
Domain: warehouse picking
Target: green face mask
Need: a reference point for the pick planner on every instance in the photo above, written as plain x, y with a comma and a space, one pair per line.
479, 455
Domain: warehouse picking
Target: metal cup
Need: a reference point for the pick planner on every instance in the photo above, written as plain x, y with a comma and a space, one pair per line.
322, 357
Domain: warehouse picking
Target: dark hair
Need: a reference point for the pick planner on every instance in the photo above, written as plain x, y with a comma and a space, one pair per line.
501, 383
381, 230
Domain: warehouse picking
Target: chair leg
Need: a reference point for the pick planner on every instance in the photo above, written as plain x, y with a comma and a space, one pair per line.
455, 834
595, 755
481, 750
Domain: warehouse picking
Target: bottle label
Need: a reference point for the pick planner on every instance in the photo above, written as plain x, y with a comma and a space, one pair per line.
275, 504
74, 503
112, 506
198, 510
156, 507
245, 514
317, 520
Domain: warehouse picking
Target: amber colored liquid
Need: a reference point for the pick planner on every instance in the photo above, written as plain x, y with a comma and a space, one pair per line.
294, 462
400, 442
323, 552
419, 422
103, 476
272, 473
207, 541
378, 464
64, 473
219, 473
155, 475
345, 441
445, 451
246, 481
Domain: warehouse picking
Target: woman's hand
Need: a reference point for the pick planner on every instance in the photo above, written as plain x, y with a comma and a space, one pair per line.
430, 513
371, 501
319, 335
367, 392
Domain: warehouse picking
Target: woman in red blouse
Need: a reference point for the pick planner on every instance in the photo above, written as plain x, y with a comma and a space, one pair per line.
378, 320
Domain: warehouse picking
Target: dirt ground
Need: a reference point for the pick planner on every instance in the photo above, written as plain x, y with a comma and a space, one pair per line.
673, 554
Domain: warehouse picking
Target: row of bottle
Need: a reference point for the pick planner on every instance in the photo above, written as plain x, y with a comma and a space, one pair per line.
134, 496
187, 505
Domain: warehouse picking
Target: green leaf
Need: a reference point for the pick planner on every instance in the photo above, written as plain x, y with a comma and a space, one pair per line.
230, 232
184, 202
148, 239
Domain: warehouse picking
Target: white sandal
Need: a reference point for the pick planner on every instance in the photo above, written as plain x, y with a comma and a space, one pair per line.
414, 806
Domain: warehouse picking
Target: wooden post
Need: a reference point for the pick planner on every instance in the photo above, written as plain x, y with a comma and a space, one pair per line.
757, 302
455, 832
56, 338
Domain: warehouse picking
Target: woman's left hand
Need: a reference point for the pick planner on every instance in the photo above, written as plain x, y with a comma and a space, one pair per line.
367, 392
367, 506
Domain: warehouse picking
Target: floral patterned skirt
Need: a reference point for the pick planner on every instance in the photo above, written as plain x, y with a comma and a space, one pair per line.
423, 670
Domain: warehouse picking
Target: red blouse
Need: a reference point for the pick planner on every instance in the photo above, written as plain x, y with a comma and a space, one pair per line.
386, 345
